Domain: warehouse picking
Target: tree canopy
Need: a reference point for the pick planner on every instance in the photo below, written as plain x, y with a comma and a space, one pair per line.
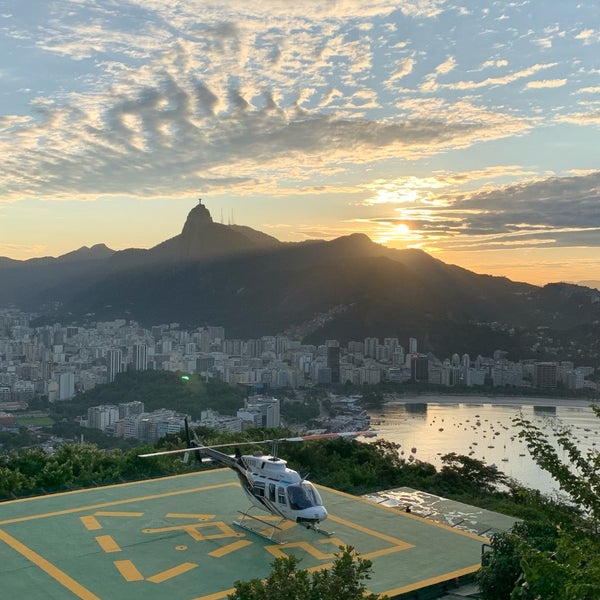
537, 561
557, 555
345, 580
579, 474
158, 389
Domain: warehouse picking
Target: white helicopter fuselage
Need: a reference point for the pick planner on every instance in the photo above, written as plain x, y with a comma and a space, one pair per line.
272, 486
268, 482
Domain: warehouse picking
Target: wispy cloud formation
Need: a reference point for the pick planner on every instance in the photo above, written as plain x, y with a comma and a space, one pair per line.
546, 83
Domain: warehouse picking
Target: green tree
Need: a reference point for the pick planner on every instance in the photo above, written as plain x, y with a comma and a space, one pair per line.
157, 389
501, 569
469, 474
373, 399
579, 476
345, 580
570, 571
12, 482
553, 560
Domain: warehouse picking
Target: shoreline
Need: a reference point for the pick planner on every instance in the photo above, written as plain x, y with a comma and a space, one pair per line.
494, 400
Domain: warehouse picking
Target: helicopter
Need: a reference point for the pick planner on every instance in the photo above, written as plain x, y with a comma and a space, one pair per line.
268, 482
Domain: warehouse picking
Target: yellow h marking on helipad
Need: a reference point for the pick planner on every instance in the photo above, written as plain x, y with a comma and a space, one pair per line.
277, 551
39, 561
170, 573
199, 517
107, 543
229, 548
91, 523
128, 570
193, 530
118, 514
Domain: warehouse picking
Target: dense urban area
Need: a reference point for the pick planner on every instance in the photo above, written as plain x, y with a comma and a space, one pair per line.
58, 362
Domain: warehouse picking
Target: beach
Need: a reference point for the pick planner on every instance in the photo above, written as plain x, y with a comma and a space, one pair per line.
436, 398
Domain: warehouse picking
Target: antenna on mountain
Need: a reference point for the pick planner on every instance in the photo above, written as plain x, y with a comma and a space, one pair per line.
232, 219
221, 216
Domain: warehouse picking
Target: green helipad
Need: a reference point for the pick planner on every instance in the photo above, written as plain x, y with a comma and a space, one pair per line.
174, 538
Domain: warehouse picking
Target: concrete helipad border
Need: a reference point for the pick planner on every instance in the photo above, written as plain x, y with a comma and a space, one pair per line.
173, 538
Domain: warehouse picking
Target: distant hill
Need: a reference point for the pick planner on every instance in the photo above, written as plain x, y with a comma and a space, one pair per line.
38, 283
97, 252
347, 288
591, 283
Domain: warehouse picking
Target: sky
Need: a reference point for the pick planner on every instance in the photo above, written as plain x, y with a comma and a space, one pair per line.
468, 129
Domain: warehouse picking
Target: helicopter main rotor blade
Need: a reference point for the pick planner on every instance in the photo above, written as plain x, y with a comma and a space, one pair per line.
202, 447
166, 452
329, 436
300, 438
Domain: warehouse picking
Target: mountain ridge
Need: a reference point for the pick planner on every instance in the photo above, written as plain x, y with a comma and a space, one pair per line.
254, 285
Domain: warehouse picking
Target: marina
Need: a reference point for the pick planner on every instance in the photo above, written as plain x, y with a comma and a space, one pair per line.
426, 429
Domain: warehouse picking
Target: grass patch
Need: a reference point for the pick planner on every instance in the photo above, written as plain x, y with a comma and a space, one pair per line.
34, 421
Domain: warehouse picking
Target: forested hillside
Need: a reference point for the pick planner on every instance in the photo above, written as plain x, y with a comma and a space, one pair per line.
158, 389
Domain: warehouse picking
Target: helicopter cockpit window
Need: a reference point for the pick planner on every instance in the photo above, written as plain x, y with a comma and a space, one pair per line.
303, 495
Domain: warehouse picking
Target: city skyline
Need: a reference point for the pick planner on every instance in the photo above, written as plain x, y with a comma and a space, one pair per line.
58, 360
468, 131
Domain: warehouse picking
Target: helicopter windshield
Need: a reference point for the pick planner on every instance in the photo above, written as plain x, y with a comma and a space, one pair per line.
303, 495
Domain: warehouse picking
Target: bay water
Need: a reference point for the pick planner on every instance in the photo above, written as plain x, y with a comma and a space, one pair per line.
429, 427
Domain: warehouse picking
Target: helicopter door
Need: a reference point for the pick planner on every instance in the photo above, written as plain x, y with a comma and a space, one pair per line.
281, 495
272, 492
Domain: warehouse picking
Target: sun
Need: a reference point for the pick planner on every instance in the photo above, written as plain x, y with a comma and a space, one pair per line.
397, 233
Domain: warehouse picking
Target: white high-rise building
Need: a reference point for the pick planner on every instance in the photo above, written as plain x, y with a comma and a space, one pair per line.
102, 417
412, 345
391, 343
264, 411
140, 357
370, 348
114, 364
66, 386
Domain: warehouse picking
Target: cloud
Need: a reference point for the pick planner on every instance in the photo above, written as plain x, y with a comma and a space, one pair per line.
445, 67
494, 63
564, 207
172, 142
554, 212
546, 83
588, 36
18, 249
582, 118
193, 112
172, 92
404, 68
504, 80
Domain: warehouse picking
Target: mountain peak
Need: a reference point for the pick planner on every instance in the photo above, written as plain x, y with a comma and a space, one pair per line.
202, 238
198, 218
355, 238
95, 252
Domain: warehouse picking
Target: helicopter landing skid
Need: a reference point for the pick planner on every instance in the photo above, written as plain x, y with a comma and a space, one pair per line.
246, 515
321, 531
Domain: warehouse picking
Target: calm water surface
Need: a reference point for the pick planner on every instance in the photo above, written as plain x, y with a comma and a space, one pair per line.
483, 431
